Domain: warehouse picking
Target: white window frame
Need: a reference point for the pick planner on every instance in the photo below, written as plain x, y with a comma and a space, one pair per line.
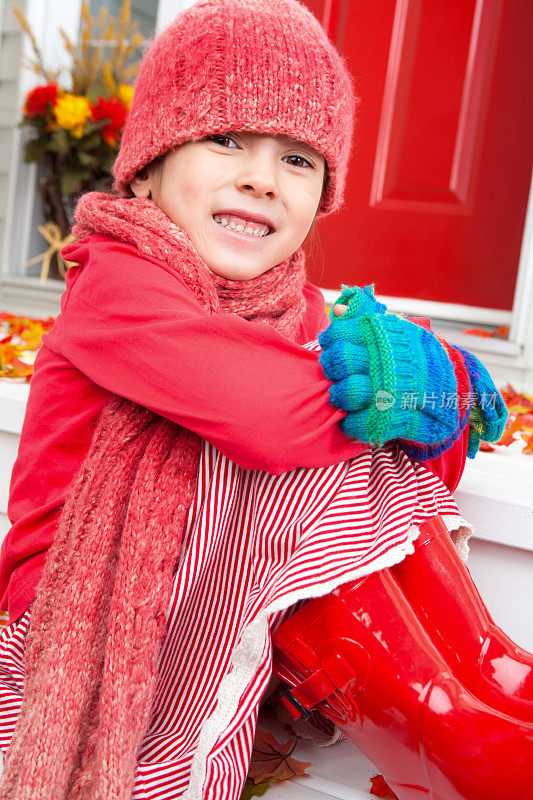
22, 293
25, 294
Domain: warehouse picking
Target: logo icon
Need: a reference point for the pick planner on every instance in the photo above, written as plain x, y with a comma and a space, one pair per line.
384, 400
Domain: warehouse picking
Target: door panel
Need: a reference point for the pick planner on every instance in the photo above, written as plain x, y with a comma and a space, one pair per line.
441, 167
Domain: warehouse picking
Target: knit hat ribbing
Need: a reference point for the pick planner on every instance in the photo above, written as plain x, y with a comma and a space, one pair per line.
248, 65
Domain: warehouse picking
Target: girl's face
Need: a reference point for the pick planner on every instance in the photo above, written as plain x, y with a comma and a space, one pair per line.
266, 187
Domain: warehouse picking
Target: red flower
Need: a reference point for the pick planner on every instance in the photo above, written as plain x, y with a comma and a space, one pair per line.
114, 111
37, 100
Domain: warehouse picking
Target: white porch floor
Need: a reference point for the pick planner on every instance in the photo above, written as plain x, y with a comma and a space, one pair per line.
339, 771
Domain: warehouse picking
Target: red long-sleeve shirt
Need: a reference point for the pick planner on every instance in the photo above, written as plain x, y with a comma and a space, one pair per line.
129, 326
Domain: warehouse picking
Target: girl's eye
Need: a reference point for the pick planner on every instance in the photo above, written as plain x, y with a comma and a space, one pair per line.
218, 139
300, 158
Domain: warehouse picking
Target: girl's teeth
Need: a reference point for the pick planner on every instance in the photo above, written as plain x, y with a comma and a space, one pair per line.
226, 223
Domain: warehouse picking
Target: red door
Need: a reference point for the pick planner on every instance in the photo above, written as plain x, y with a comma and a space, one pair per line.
441, 167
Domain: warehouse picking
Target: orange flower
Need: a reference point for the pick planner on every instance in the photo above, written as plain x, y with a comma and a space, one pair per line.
72, 112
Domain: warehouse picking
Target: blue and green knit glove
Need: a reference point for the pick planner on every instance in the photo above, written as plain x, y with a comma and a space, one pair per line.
489, 412
384, 369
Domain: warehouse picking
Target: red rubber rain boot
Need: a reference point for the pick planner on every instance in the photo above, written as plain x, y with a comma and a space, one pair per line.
445, 598
362, 658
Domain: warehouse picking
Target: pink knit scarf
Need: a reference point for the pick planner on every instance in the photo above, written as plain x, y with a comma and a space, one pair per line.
99, 617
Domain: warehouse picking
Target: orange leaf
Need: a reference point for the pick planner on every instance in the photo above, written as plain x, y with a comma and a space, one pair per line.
527, 421
523, 403
22, 334
517, 408
380, 787
506, 439
528, 449
485, 447
272, 760
510, 395
478, 332
502, 330
8, 352
22, 368
514, 423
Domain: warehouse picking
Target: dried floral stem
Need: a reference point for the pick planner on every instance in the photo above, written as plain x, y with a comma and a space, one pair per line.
37, 65
103, 54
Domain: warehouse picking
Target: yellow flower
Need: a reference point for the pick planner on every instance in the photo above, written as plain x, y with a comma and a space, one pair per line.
72, 112
125, 94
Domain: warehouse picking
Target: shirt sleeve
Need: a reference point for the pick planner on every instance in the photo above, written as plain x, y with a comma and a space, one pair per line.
136, 330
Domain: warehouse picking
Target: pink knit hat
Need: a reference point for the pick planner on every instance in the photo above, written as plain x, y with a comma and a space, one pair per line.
252, 65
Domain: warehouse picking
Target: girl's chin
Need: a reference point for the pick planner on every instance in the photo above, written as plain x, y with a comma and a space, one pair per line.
235, 266
234, 273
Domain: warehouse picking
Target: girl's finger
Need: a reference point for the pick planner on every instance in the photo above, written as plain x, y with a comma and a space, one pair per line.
339, 310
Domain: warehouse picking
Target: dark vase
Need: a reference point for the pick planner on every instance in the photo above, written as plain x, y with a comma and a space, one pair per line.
59, 208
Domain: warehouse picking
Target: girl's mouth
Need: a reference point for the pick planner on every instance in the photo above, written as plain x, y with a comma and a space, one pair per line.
242, 227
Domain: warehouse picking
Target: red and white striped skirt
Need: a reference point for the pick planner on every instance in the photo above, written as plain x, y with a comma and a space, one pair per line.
256, 546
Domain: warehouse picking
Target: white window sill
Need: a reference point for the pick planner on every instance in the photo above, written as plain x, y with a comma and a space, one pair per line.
496, 495
13, 397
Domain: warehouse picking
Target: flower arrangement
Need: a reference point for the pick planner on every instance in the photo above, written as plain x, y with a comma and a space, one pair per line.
77, 129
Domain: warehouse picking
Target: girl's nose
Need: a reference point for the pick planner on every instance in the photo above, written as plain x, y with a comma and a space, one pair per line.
258, 180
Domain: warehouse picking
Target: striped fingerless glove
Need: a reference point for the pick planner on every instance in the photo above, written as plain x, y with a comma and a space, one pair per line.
462, 399
381, 368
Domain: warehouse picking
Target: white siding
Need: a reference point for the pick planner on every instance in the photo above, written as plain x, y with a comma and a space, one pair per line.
10, 55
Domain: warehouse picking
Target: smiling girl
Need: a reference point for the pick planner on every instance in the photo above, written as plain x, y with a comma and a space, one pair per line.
193, 466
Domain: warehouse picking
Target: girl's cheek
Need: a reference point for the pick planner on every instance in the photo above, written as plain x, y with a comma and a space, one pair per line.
306, 196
